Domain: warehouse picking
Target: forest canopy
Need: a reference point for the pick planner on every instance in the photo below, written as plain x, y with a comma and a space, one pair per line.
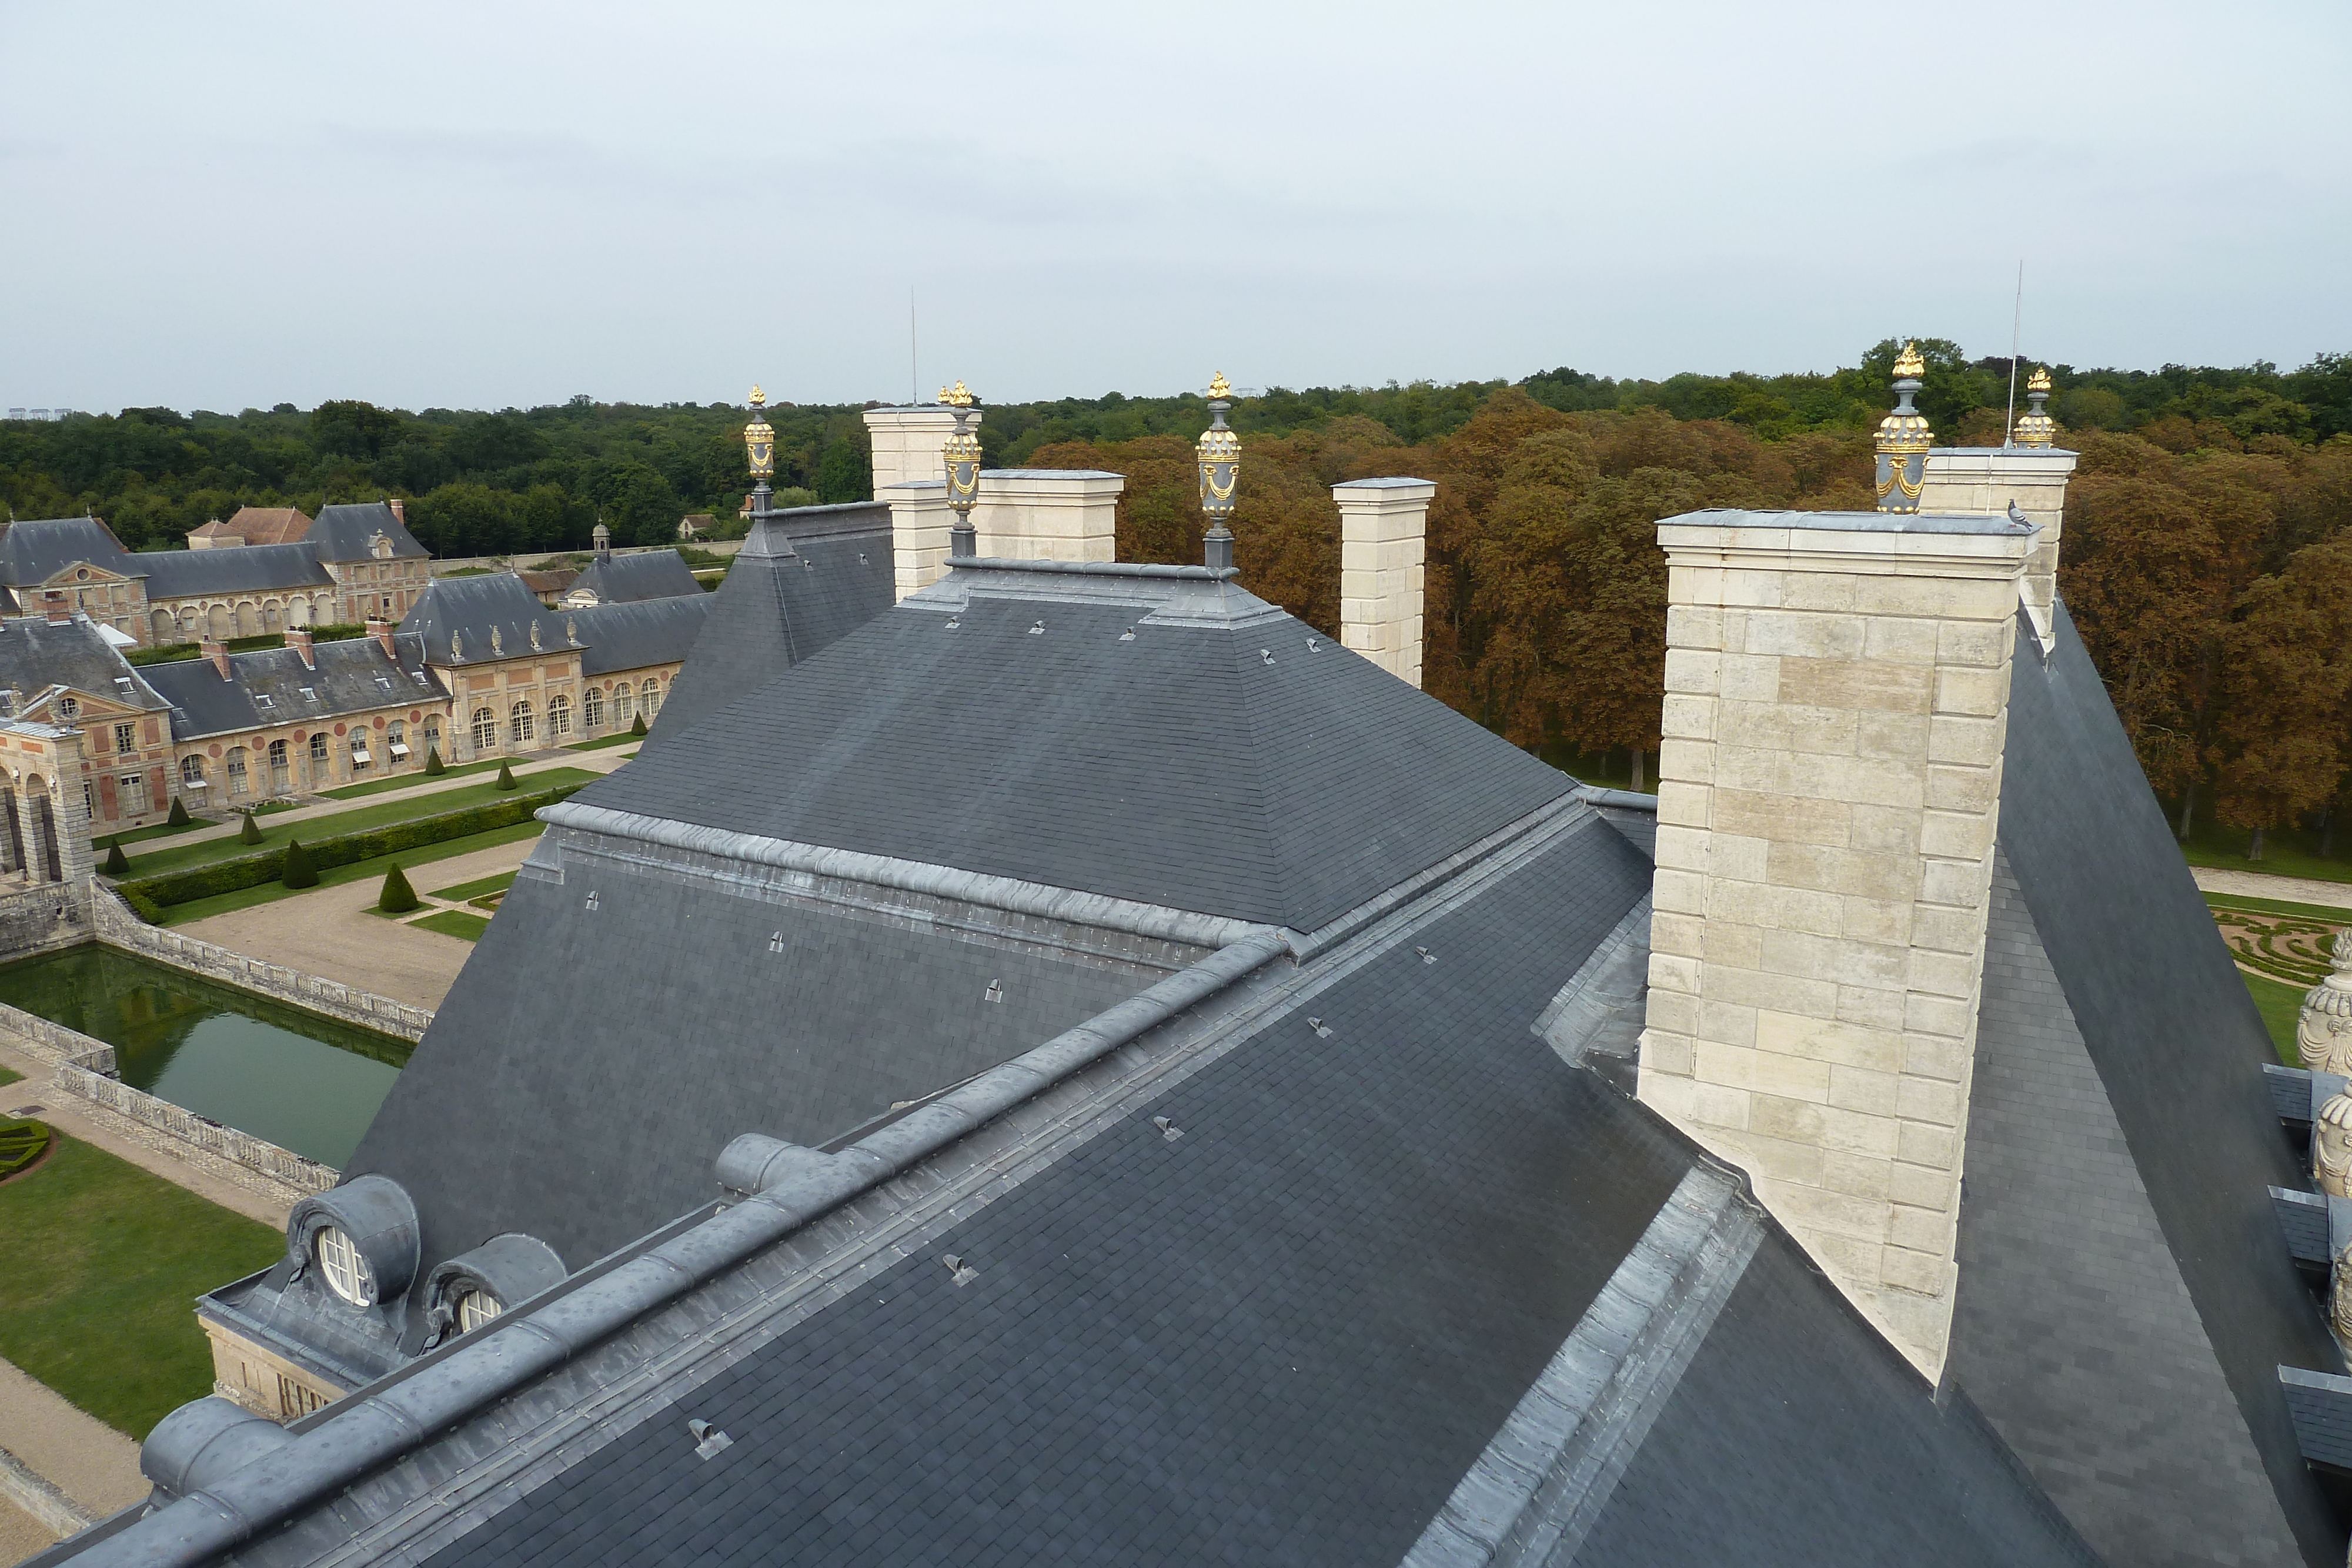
2207, 555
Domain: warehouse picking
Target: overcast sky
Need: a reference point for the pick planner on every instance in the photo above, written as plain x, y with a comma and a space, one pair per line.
476, 205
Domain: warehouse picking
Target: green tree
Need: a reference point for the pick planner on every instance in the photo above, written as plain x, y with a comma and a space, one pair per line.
505, 777
298, 872
396, 897
250, 832
117, 863
433, 766
637, 726
2285, 671
179, 817
347, 427
845, 473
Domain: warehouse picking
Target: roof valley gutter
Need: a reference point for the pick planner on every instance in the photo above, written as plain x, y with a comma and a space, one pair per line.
378, 1428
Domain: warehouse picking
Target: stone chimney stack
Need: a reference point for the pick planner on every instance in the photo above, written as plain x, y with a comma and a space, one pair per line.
1837, 691
907, 443
380, 630
1048, 513
399, 511
2031, 473
216, 650
298, 639
1383, 532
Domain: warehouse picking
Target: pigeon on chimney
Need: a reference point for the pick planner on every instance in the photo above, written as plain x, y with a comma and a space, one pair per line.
2020, 518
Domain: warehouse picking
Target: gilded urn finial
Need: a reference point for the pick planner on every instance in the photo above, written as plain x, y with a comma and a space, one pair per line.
1220, 457
1904, 438
759, 439
2034, 426
961, 453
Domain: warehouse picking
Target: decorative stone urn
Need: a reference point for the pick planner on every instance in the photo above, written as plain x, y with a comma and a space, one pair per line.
2323, 1031
2331, 1147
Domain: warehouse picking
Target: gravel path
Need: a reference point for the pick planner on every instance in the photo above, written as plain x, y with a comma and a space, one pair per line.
2260, 885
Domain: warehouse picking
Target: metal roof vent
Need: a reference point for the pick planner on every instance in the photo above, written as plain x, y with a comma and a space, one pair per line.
591, 899
1426, 955
995, 991
1127, 635
807, 565
954, 622
962, 1273
1267, 653
1037, 629
861, 557
1168, 1129
1316, 1025
708, 1440
776, 943
1315, 644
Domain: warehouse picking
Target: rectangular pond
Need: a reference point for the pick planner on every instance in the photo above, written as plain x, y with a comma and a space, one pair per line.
302, 1081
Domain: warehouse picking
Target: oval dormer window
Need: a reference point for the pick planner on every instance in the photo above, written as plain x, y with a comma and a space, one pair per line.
339, 1262
67, 708
476, 1308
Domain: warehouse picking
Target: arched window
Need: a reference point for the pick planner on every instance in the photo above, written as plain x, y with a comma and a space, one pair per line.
519, 720
624, 705
162, 628
219, 624
187, 622
433, 733
192, 772
559, 717
486, 730
361, 756
395, 741
237, 785
339, 1263
476, 1308
269, 618
280, 780
649, 697
249, 620
592, 707
318, 746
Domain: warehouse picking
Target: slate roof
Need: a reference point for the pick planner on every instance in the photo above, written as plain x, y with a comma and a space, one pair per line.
34, 550
456, 616
35, 654
2121, 1142
350, 678
259, 526
1226, 757
1304, 1329
634, 633
348, 532
802, 580
242, 569
621, 579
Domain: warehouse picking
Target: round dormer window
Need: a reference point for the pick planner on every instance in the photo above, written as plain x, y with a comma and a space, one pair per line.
476, 1308
339, 1263
67, 708
81, 574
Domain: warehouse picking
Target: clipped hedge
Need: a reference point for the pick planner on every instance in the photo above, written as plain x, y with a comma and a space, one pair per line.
21, 1143
251, 870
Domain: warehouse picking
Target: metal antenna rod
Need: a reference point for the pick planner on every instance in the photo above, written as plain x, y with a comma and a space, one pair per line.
2016, 320
914, 362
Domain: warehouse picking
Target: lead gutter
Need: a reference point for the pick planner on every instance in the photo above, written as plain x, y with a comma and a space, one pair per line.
379, 1428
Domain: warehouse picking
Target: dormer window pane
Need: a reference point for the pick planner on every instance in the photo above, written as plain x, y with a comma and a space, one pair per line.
338, 1264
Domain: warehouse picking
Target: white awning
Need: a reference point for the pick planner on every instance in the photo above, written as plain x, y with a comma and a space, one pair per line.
191, 783
398, 751
360, 754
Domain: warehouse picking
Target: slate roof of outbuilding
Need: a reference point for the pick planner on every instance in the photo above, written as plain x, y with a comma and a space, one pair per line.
34, 550
242, 569
348, 532
353, 676
623, 579
469, 609
35, 653
804, 579
638, 633
2125, 1298
1202, 751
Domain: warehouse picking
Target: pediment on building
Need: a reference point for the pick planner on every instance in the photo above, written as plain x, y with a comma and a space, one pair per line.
82, 574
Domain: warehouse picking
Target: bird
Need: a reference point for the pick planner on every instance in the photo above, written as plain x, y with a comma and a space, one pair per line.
2019, 518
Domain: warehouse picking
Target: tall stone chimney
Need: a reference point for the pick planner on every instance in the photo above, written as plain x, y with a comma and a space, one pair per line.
1383, 534
298, 639
2031, 473
1023, 514
380, 630
216, 650
399, 511
907, 442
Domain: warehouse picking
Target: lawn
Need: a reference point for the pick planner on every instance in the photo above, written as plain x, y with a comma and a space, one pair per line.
455, 923
7, 1077
2342, 916
160, 830
99, 1264
2279, 1003
403, 780
2286, 851
471, 890
353, 821
598, 745
358, 871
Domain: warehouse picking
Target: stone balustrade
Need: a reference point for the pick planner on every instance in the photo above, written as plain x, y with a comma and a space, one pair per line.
198, 1132
117, 925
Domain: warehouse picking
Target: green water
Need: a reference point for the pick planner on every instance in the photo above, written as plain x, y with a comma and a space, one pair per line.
300, 1080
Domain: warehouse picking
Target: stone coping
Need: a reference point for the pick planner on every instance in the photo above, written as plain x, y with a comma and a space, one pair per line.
347, 1004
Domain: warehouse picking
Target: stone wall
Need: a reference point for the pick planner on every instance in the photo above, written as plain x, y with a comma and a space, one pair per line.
117, 925
55, 1045
199, 1132
30, 921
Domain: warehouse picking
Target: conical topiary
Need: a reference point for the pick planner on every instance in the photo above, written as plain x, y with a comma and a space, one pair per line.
251, 832
298, 872
397, 897
505, 777
433, 763
639, 727
117, 863
179, 817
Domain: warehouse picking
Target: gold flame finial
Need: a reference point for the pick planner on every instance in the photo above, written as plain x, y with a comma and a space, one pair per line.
1903, 440
1217, 387
2035, 428
1908, 363
2039, 381
956, 396
759, 398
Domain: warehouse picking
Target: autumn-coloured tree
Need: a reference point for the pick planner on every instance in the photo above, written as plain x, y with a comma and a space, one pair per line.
2280, 735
